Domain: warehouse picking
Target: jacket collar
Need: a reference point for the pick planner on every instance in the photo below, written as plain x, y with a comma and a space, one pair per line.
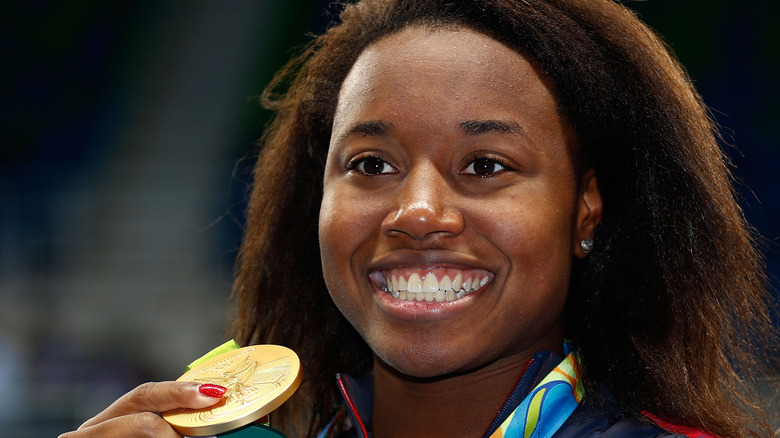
359, 394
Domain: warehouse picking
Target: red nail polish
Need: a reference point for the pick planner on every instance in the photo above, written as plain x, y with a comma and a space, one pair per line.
210, 390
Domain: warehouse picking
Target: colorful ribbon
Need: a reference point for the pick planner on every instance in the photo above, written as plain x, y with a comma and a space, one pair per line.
548, 405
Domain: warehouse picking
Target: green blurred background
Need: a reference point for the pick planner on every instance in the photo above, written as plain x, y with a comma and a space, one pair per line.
127, 130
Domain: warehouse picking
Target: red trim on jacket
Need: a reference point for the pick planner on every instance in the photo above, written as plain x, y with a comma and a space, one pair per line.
351, 403
690, 432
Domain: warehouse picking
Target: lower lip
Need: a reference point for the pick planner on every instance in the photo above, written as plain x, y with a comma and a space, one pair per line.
424, 310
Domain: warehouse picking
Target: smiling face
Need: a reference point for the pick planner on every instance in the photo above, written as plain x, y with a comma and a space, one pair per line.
451, 209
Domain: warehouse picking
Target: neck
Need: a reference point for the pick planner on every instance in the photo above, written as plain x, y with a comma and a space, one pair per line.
460, 405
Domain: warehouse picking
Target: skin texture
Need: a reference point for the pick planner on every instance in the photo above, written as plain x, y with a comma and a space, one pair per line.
134, 414
418, 114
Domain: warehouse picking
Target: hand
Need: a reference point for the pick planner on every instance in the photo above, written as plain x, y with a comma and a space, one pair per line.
135, 413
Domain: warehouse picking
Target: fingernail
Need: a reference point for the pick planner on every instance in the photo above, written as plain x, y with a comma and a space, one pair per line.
210, 390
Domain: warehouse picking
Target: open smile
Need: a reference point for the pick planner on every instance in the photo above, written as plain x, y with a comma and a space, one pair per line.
430, 285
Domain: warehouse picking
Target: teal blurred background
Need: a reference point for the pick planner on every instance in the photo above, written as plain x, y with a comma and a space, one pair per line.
126, 131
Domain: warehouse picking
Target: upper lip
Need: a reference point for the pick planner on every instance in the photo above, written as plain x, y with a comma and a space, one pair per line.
423, 259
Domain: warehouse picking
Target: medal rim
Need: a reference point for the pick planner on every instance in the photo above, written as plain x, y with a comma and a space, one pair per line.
204, 428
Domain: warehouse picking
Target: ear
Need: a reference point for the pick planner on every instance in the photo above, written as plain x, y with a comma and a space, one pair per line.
589, 209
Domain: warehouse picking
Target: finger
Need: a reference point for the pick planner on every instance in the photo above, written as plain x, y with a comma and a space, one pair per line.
141, 425
157, 397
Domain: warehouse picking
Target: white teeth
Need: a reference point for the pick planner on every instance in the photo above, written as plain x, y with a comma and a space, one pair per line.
430, 284
428, 288
457, 282
415, 284
445, 283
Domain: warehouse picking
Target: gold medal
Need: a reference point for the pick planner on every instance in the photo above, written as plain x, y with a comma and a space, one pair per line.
258, 379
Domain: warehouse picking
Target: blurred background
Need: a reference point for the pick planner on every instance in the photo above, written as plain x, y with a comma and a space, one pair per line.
126, 133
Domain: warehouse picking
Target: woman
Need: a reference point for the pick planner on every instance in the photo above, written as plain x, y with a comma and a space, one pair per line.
484, 179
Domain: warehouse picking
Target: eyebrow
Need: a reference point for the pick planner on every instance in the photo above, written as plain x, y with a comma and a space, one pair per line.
373, 128
379, 128
477, 127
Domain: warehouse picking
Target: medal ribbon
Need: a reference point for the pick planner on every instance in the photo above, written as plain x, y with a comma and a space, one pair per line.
548, 405
224, 348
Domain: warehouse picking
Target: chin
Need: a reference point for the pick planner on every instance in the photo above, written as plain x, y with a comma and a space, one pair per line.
425, 364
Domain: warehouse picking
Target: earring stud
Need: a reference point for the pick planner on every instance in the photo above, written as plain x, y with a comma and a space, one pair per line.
587, 245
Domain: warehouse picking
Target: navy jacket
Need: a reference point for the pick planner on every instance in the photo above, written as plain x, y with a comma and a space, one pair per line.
597, 416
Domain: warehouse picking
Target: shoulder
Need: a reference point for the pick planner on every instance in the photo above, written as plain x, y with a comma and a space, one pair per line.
602, 426
680, 430
600, 417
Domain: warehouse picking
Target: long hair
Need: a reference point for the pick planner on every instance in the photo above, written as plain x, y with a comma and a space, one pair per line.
669, 307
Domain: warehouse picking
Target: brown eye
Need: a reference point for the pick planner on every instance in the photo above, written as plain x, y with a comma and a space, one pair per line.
484, 166
371, 165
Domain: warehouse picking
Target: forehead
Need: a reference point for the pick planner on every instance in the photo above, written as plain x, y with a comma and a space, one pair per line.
444, 76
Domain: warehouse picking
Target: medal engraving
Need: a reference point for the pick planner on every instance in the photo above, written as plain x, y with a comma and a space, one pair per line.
258, 380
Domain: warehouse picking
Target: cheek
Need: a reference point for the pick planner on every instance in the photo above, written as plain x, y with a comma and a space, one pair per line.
332, 237
526, 223
344, 222
344, 231
335, 262
537, 248
534, 235
346, 227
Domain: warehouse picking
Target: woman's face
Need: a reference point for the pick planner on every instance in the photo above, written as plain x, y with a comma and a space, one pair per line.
451, 211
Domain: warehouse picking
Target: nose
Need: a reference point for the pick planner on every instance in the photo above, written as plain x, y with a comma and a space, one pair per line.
425, 207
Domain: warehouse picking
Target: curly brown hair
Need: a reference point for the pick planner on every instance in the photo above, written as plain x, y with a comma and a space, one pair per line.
670, 308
